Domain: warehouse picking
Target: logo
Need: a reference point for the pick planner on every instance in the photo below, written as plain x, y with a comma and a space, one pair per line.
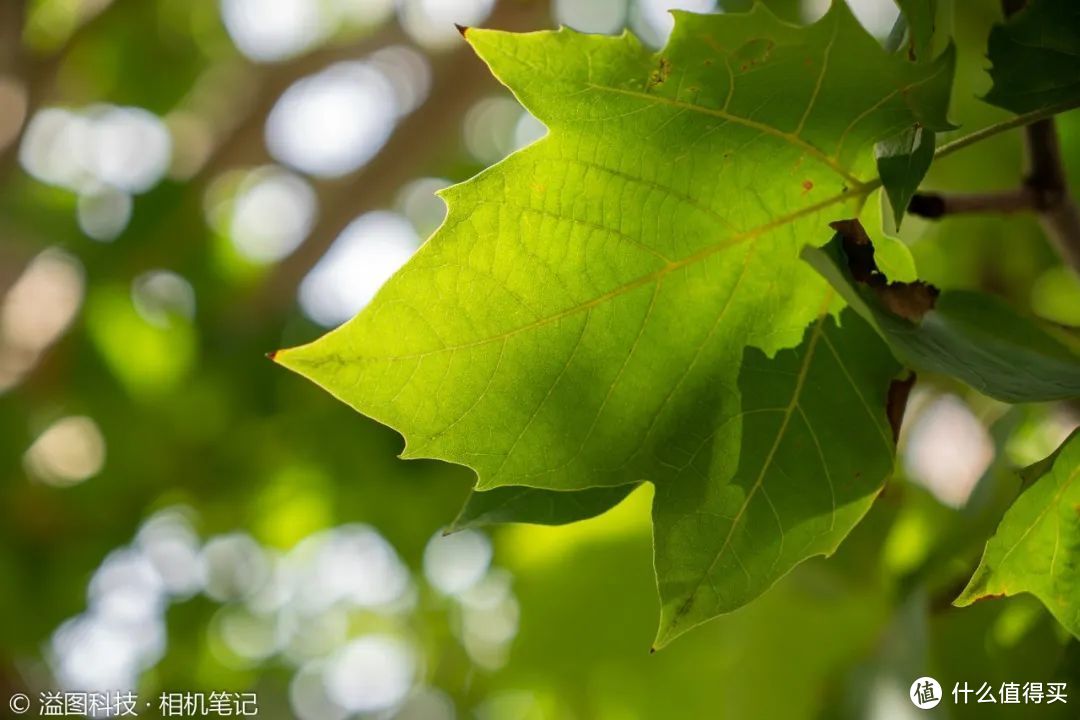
925, 693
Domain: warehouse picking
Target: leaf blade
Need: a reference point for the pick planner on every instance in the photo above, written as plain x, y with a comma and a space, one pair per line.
1035, 57
850, 451
597, 290
973, 337
1036, 548
536, 506
902, 163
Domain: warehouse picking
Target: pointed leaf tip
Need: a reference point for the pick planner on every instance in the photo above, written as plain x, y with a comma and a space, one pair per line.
373, 366
272, 355
462, 29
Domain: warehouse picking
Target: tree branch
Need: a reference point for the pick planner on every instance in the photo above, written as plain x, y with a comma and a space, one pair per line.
1044, 191
421, 140
241, 142
1057, 211
37, 74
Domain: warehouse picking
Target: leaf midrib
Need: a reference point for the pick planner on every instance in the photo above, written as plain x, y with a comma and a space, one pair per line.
815, 336
643, 280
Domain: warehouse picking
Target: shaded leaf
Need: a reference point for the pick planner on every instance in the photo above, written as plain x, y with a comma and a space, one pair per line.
971, 336
596, 291
920, 18
537, 506
904, 159
902, 162
786, 478
1036, 548
1035, 57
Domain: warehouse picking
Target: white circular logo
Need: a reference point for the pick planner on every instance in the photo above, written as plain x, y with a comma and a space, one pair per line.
925, 693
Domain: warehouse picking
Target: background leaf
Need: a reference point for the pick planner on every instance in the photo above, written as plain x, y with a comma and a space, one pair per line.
921, 19
1036, 57
973, 337
1037, 545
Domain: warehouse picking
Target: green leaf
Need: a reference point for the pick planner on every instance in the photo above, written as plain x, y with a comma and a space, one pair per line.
974, 337
813, 450
1036, 548
595, 292
902, 162
921, 19
1035, 57
536, 506
893, 256
904, 159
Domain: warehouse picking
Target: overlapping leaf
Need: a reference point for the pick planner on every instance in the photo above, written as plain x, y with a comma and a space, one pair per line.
813, 450
1036, 548
581, 318
537, 506
904, 159
921, 21
902, 162
971, 336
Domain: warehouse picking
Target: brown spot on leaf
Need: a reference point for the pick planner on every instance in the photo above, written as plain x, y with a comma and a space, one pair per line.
992, 596
896, 403
807, 185
910, 301
660, 75
272, 354
753, 53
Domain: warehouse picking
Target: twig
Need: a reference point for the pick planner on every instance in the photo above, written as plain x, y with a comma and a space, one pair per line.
997, 128
1044, 191
12, 69
936, 205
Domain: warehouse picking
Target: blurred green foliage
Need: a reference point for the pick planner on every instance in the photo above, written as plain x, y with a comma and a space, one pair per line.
192, 416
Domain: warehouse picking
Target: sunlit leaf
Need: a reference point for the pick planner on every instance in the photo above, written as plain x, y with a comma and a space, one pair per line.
1036, 548
581, 318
